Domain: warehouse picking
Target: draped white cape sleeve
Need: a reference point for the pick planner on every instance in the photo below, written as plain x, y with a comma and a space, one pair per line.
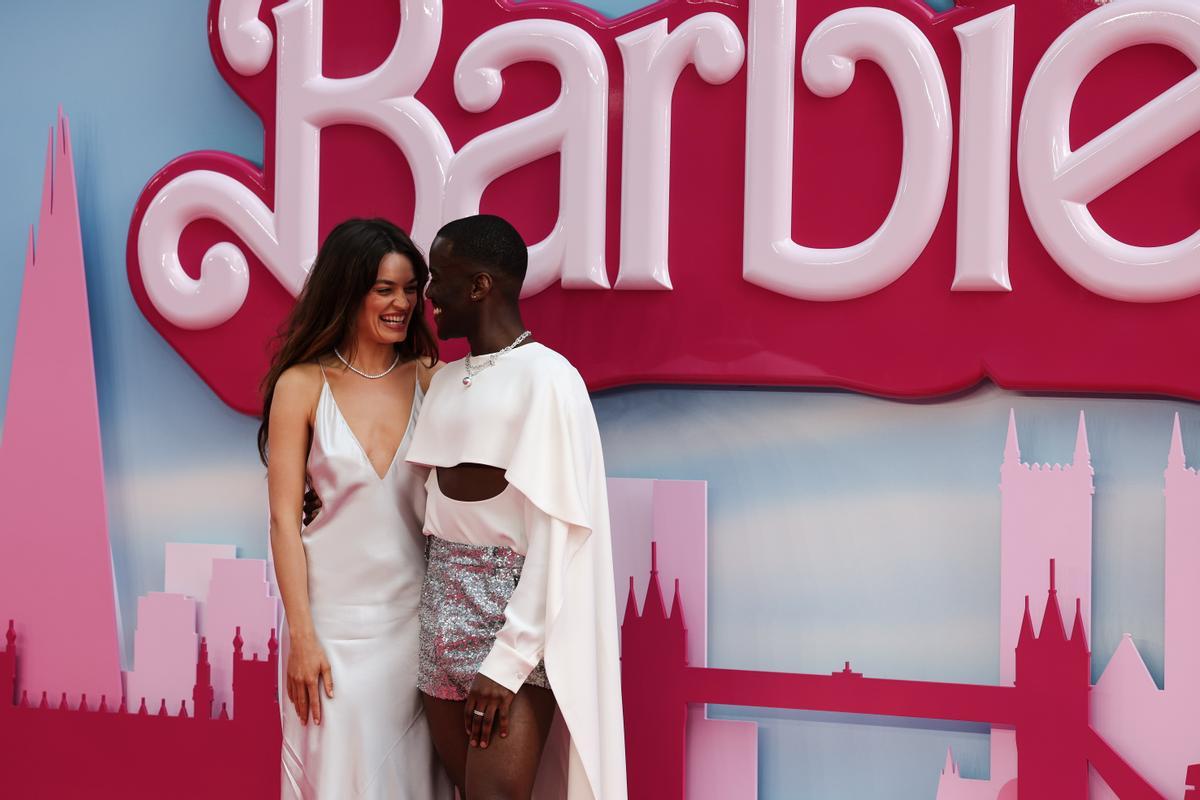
531, 415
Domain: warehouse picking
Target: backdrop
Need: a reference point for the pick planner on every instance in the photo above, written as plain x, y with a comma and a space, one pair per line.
840, 526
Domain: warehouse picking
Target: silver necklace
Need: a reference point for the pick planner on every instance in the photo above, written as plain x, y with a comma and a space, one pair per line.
358, 371
473, 370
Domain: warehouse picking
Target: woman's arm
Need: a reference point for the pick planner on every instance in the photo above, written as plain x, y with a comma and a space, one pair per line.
288, 442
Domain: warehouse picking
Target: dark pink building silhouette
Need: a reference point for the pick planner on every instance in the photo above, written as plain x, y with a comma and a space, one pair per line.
50, 747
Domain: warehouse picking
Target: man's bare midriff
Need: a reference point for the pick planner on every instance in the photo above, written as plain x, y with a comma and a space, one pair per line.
471, 482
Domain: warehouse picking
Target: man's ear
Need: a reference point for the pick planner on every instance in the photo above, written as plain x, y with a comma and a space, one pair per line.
481, 285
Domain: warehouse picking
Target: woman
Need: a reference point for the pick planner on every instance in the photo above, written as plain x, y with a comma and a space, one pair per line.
340, 404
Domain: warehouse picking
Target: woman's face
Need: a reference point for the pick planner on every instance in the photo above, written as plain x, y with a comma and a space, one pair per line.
387, 309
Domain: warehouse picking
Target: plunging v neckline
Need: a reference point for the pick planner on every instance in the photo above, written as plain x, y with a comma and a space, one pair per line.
358, 443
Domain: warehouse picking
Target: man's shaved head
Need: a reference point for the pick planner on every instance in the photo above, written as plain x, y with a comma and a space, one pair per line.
490, 243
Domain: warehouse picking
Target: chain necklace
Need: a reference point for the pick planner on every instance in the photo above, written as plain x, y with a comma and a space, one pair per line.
358, 371
473, 370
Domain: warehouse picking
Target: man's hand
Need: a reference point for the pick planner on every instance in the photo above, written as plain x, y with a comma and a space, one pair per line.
492, 701
312, 503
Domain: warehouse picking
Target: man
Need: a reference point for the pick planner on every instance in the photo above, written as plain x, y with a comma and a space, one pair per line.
518, 614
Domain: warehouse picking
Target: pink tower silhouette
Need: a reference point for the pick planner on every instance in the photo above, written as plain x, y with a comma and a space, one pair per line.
1182, 608
1054, 675
56, 575
1158, 731
1045, 513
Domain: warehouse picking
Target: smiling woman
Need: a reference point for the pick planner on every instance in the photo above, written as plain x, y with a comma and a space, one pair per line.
367, 269
341, 403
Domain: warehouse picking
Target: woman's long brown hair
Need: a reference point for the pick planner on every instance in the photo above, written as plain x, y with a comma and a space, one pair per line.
324, 314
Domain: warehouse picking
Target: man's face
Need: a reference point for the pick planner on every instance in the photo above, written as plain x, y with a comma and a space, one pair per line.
449, 292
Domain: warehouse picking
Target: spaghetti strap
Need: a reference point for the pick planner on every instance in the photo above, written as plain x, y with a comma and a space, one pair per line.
324, 377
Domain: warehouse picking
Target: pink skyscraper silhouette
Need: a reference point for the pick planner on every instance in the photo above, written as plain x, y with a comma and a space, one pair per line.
56, 575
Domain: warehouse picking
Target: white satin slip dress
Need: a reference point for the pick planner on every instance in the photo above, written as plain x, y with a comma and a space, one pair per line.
366, 562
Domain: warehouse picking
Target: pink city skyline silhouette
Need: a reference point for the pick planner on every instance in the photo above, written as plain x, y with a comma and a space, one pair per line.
57, 580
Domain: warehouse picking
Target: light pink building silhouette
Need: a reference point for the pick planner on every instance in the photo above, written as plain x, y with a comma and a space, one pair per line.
722, 759
1156, 731
56, 574
238, 597
951, 784
1045, 513
188, 570
229, 593
165, 648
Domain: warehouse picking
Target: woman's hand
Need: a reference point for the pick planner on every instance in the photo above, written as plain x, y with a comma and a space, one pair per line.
307, 673
492, 701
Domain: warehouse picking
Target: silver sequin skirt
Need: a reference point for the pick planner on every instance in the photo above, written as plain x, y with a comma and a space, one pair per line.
466, 590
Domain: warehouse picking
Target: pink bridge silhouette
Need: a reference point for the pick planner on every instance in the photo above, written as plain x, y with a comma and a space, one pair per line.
1047, 706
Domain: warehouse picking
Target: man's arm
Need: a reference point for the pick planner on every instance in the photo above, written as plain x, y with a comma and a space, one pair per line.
521, 642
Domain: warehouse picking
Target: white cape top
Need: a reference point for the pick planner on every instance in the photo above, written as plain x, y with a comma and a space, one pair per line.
530, 415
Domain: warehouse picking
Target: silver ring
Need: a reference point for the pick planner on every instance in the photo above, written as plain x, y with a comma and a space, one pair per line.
477, 712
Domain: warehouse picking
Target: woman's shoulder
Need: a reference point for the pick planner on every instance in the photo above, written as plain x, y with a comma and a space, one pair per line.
299, 384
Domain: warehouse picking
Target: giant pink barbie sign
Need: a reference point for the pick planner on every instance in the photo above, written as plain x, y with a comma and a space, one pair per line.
874, 197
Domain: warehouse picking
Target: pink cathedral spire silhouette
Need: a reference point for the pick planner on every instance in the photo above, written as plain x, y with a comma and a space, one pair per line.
1156, 731
56, 573
1045, 513
1159, 729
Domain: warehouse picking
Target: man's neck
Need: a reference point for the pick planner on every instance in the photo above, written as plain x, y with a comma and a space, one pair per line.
496, 331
